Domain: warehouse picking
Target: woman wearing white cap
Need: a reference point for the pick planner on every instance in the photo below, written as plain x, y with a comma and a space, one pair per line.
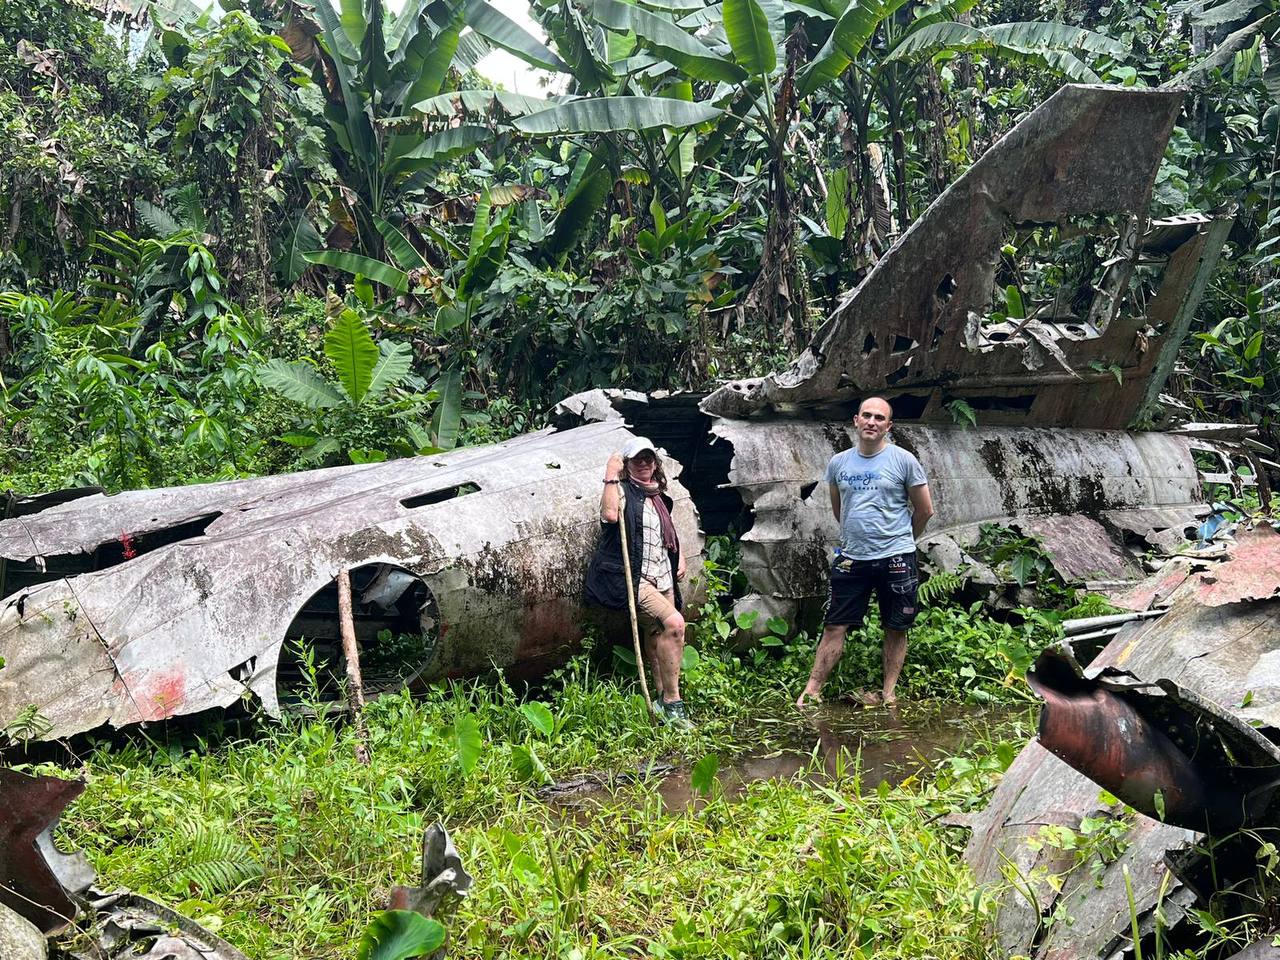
656, 564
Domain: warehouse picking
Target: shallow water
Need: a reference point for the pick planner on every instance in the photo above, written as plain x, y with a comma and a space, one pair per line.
881, 745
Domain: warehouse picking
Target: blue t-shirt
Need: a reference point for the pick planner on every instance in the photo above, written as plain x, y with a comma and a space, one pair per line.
874, 518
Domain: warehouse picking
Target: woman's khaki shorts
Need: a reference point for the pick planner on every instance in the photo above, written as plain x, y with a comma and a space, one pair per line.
657, 604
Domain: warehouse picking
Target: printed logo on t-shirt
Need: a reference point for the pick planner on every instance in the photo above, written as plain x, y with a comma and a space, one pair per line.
863, 480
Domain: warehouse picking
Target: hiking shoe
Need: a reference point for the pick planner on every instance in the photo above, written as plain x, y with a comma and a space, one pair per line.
655, 705
676, 715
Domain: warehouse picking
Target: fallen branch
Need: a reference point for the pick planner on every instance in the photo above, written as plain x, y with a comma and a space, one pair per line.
355, 692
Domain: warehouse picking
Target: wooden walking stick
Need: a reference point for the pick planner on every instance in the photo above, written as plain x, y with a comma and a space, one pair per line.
631, 596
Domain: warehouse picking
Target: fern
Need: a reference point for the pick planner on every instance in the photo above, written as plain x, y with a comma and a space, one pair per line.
160, 221
208, 860
939, 587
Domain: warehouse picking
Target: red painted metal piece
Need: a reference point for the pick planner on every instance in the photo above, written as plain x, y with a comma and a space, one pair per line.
28, 807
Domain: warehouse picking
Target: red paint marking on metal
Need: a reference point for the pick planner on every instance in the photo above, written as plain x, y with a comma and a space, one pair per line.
1143, 596
157, 695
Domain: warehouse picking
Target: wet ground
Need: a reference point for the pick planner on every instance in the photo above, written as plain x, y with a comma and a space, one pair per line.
819, 744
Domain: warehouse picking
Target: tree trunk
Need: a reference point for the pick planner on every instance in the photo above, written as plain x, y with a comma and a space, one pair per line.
934, 111
778, 293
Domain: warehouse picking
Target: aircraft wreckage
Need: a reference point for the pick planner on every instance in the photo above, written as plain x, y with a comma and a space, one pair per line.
150, 604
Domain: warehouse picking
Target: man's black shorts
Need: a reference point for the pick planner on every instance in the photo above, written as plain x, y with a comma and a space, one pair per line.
894, 580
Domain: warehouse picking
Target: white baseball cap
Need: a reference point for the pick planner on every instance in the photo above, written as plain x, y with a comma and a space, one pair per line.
637, 446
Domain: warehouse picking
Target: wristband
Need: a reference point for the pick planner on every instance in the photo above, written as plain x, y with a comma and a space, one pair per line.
612, 481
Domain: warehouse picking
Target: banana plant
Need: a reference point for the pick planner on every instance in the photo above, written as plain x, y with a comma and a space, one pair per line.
889, 50
373, 67
360, 403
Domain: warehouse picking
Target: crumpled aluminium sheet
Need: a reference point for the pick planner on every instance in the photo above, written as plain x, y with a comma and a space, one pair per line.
194, 624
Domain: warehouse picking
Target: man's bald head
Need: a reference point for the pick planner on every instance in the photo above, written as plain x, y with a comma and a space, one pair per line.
879, 404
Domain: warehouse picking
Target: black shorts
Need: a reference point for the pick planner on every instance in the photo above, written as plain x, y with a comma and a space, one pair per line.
894, 580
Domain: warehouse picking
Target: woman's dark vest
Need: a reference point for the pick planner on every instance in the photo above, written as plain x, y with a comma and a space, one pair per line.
606, 584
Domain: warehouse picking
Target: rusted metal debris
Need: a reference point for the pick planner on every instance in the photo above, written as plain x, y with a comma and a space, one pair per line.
150, 604
53, 891
445, 882
1176, 717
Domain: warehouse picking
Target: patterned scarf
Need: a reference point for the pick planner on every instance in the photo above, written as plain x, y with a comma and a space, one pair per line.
654, 493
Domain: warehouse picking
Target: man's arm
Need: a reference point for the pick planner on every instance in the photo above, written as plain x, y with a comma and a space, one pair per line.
835, 500
921, 508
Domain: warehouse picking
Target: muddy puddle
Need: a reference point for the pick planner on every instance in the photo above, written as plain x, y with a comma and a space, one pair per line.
820, 744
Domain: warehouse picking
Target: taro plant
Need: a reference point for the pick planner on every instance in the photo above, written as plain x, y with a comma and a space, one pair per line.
400, 935
364, 411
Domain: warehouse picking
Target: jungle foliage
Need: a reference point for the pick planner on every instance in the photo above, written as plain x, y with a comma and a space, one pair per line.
190, 201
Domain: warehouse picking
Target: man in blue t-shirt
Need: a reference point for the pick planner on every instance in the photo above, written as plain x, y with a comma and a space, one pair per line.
880, 497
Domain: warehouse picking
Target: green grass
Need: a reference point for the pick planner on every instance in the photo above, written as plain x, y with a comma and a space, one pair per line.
286, 845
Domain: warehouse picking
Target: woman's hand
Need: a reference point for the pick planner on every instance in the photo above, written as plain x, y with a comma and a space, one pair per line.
681, 569
613, 469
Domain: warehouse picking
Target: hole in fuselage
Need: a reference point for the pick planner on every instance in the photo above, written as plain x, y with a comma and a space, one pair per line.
396, 626
439, 496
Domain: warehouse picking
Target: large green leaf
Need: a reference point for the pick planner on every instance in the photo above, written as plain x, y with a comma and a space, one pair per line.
1225, 52
1037, 35
482, 102
299, 382
402, 251
749, 36
839, 202
540, 716
936, 36
609, 114
400, 935
1231, 11
472, 48
660, 32
436, 57
501, 30
354, 263
577, 213
852, 32
348, 118
584, 45
681, 146
352, 18
444, 426
393, 366
441, 147
301, 239
375, 70
350, 348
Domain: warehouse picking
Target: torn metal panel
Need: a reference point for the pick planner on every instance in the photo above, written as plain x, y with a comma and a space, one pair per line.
500, 535
1164, 717
53, 890
1081, 548
1168, 754
1008, 847
36, 879
912, 329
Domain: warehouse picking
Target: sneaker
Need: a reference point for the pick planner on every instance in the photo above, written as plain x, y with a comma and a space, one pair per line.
655, 705
676, 715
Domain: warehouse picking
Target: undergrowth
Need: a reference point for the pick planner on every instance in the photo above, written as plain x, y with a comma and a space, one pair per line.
286, 845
